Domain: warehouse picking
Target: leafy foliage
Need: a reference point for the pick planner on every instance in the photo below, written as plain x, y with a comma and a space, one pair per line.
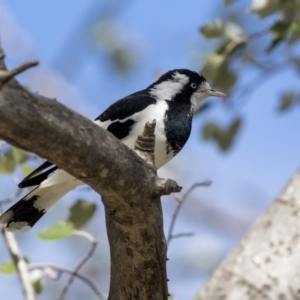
264, 8
213, 29
59, 231
80, 213
238, 50
222, 136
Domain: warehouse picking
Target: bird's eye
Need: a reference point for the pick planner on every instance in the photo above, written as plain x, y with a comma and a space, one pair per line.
193, 85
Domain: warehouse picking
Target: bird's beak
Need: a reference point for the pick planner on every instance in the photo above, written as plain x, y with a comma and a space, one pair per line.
216, 94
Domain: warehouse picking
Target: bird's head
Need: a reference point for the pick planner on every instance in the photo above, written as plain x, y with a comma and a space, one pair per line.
183, 85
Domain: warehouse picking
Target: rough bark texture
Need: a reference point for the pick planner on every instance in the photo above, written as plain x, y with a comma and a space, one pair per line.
129, 187
266, 263
135, 231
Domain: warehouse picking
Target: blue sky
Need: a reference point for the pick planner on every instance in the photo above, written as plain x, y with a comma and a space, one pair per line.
163, 36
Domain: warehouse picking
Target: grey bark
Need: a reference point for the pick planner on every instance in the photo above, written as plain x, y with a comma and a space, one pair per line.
266, 263
129, 186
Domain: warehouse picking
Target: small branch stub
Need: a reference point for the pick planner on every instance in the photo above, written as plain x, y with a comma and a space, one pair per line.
144, 148
145, 143
167, 186
6, 75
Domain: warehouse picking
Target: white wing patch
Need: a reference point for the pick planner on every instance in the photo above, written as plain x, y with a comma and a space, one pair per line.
53, 188
154, 111
40, 200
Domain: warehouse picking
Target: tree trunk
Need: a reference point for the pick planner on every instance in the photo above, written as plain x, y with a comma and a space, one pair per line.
265, 265
129, 186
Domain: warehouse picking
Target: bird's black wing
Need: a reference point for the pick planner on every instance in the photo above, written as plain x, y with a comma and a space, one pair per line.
124, 109
38, 175
127, 106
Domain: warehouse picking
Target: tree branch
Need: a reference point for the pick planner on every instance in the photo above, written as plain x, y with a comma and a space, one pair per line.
180, 200
6, 75
265, 265
129, 187
17, 257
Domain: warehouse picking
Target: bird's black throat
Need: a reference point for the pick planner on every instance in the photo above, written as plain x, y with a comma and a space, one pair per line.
178, 125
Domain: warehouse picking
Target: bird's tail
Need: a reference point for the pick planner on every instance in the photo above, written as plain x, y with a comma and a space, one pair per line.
27, 211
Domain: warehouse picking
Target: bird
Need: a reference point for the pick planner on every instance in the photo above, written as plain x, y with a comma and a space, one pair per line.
171, 100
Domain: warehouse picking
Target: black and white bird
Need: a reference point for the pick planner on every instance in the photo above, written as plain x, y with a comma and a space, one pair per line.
171, 101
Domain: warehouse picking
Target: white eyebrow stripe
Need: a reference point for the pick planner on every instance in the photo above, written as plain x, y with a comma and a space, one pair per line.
168, 89
181, 78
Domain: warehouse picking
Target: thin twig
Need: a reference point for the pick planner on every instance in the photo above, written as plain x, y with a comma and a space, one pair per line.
84, 259
194, 186
20, 263
60, 270
181, 200
258, 34
184, 234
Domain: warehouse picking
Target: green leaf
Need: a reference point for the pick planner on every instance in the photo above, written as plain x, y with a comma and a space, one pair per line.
7, 163
11, 159
217, 70
81, 212
19, 155
215, 60
235, 34
295, 27
287, 100
265, 8
228, 2
295, 31
274, 43
280, 28
213, 30
223, 137
279, 31
59, 231
8, 268
26, 169
210, 131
